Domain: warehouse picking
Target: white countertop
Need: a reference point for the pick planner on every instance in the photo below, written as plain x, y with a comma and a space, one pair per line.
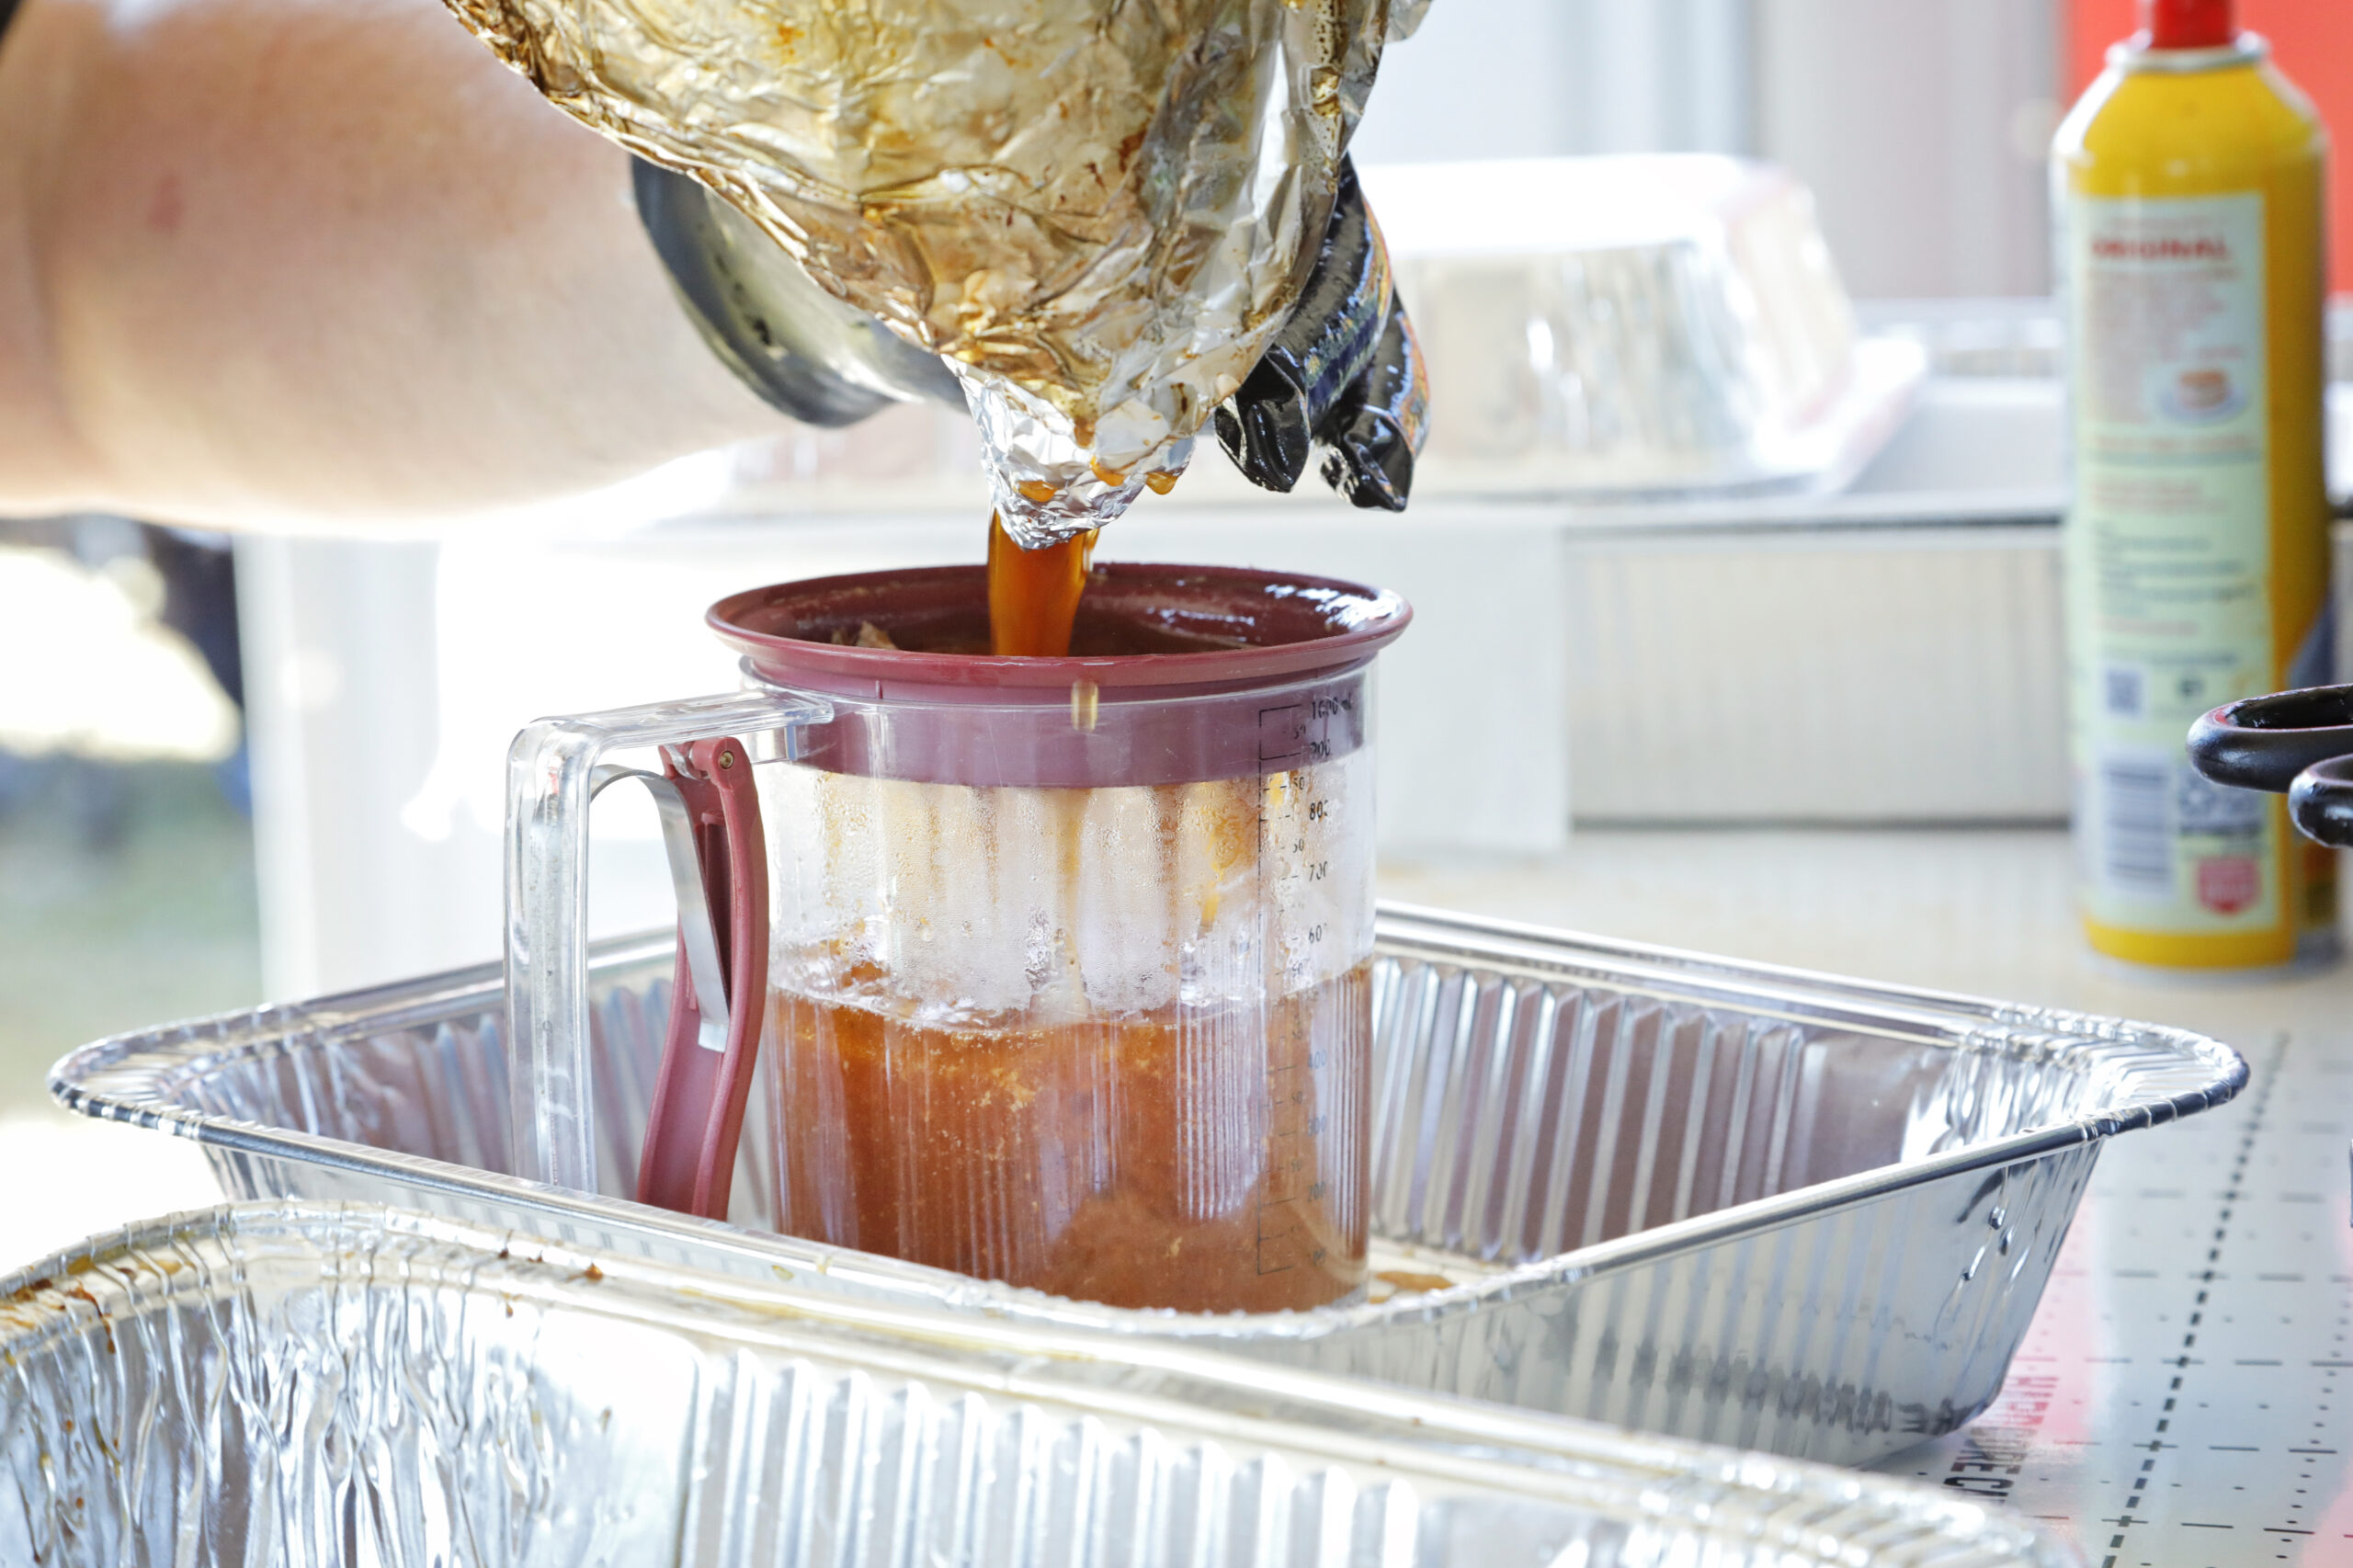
1981, 910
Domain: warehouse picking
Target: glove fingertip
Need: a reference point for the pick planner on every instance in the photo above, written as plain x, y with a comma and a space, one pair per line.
1229, 435
1374, 470
1268, 439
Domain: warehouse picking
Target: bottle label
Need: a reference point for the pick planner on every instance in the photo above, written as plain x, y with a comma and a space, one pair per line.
2168, 545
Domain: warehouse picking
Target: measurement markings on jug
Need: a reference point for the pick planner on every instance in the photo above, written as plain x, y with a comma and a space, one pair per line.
1282, 732
1294, 820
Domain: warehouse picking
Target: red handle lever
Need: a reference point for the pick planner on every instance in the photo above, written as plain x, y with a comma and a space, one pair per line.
688, 1160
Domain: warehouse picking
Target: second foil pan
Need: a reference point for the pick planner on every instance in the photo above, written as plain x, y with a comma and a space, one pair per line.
1717, 1200
305, 1385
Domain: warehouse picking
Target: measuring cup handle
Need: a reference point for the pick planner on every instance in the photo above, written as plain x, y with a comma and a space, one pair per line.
717, 995
552, 771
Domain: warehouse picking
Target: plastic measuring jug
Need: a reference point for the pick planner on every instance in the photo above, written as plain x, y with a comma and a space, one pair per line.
1057, 970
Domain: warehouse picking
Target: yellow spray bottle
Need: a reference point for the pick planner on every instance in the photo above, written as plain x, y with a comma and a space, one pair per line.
2188, 190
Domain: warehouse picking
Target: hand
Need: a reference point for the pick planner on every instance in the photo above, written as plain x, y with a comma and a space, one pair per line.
1344, 370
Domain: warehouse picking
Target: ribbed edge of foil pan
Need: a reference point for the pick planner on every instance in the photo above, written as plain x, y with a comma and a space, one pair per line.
302, 1383
1731, 1202
1426, 1143
2129, 1075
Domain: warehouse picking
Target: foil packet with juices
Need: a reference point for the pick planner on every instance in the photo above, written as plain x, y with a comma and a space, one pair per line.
1053, 921
1096, 212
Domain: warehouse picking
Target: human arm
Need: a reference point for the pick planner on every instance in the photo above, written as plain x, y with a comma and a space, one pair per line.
303, 262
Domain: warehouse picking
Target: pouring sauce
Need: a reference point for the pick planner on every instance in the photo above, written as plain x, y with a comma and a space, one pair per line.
1033, 594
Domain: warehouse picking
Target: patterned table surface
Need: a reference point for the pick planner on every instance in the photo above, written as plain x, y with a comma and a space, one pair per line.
2182, 1398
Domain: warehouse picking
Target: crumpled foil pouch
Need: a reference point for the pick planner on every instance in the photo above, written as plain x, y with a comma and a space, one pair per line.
1095, 211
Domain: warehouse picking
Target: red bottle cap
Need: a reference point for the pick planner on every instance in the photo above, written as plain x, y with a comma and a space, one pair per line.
2189, 24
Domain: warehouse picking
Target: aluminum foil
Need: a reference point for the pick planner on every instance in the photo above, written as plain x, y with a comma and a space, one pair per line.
311, 1386
1097, 210
1634, 327
1711, 1200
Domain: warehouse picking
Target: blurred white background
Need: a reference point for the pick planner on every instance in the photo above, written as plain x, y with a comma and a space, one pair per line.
1920, 124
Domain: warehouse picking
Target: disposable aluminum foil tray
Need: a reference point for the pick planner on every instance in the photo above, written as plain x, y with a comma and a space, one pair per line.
1717, 1200
313, 1385
1614, 328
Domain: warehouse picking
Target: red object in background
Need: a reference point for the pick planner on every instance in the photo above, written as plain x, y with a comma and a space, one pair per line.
2311, 39
2189, 23
2229, 883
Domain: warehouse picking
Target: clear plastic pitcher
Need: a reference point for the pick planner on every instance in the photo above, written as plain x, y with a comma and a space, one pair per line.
1063, 973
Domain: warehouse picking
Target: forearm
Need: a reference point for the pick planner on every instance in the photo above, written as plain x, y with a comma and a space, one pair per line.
277, 261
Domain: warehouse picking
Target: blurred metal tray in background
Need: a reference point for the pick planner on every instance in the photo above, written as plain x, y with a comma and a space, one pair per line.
1723, 1201
304, 1386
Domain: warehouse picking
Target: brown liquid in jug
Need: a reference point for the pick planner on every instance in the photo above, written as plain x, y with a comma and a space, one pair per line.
1188, 1158
1191, 1157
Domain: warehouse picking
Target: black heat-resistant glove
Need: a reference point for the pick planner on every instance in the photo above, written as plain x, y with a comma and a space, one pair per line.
1344, 370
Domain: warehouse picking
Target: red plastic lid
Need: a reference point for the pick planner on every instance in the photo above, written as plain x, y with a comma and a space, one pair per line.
1139, 625
2189, 24
1177, 674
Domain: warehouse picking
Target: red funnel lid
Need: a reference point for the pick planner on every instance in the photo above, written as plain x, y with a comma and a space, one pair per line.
1139, 626
2189, 24
1177, 674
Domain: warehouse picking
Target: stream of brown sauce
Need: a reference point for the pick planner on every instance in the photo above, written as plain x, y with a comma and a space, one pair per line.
1033, 594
